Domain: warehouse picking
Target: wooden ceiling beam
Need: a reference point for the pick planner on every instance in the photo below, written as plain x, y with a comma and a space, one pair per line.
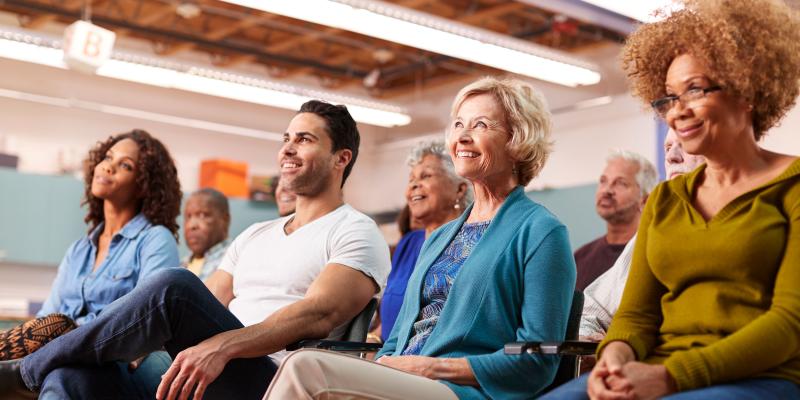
300, 40
39, 20
236, 60
340, 59
225, 31
151, 18
218, 34
492, 12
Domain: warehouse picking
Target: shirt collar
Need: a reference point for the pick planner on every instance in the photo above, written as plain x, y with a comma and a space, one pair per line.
217, 247
129, 231
134, 226
213, 250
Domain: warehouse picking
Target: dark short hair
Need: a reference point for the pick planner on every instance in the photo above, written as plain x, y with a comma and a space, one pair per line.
341, 128
215, 198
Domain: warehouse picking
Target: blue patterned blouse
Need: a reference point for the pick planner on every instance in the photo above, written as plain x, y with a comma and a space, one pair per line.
439, 279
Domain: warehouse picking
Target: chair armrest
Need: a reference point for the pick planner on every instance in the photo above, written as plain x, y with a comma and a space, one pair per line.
567, 347
336, 345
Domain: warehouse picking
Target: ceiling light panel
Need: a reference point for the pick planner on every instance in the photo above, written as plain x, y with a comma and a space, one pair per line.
27, 47
438, 35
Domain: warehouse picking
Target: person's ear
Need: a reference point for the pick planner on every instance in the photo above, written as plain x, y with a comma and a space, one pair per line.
462, 190
343, 158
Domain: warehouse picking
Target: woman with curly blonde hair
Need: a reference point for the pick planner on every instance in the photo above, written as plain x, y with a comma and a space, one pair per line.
133, 198
711, 307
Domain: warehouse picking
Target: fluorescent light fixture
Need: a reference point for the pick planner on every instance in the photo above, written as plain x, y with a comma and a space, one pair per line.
206, 81
641, 10
141, 114
435, 34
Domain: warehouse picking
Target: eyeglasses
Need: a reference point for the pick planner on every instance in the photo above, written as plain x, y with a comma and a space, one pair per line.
664, 104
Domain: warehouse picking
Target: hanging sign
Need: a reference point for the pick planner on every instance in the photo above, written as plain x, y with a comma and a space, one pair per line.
87, 46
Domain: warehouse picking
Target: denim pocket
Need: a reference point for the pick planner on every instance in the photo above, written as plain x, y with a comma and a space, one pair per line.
120, 275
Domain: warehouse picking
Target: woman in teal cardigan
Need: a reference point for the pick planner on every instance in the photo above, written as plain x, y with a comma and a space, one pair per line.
502, 272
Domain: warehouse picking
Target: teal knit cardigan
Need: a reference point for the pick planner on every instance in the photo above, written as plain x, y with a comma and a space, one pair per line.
516, 285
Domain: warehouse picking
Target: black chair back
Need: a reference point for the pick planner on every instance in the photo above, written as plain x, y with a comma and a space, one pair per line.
359, 326
567, 364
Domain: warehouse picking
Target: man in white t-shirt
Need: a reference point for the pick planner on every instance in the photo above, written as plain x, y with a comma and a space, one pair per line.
296, 277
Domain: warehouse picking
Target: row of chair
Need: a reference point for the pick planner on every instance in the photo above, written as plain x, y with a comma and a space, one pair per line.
569, 350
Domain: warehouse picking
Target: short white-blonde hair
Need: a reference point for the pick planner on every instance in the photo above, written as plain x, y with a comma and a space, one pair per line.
646, 176
528, 121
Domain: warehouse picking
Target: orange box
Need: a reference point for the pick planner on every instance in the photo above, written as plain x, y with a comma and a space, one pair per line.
229, 177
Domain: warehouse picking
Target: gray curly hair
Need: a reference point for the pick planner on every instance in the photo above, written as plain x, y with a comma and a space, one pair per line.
437, 149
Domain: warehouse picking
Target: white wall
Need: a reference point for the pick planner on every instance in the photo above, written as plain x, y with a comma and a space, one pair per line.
40, 133
582, 139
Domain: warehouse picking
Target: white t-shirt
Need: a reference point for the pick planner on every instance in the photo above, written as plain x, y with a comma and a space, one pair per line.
272, 270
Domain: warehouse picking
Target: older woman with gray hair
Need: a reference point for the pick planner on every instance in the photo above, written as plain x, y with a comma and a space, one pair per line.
435, 195
502, 272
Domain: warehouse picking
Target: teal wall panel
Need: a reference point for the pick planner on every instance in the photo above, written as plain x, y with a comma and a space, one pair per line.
574, 206
40, 216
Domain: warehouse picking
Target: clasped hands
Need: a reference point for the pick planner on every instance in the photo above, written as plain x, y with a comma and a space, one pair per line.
618, 376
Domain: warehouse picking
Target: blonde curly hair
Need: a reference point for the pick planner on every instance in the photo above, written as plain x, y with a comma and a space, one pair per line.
750, 47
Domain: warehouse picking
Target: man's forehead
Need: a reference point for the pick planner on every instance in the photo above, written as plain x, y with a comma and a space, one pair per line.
308, 123
621, 166
200, 200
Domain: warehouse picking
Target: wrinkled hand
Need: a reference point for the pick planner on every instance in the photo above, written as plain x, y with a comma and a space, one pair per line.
417, 365
607, 380
193, 369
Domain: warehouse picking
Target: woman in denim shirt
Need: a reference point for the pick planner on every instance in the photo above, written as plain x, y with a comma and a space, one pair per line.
133, 197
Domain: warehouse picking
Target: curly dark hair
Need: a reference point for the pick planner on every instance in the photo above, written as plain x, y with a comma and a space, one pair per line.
750, 47
157, 180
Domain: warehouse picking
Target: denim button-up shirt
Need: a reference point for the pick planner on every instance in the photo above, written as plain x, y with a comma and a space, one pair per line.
138, 249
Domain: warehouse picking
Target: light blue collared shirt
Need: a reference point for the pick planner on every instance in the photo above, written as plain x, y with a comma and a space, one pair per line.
138, 249
211, 259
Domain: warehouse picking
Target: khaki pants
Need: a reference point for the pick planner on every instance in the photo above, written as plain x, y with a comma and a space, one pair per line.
325, 375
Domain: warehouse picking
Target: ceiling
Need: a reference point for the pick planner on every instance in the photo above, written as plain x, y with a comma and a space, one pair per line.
285, 48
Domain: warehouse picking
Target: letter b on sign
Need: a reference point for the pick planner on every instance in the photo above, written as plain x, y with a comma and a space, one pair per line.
87, 46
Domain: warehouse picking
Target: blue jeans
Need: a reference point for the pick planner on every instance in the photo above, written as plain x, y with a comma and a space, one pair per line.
171, 309
745, 389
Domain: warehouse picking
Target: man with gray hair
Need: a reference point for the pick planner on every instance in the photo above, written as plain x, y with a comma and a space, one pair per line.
602, 297
621, 193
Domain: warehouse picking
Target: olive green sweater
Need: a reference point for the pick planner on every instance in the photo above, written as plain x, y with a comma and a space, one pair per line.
716, 300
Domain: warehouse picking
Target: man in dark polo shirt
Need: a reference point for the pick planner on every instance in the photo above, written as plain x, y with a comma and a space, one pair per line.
621, 193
